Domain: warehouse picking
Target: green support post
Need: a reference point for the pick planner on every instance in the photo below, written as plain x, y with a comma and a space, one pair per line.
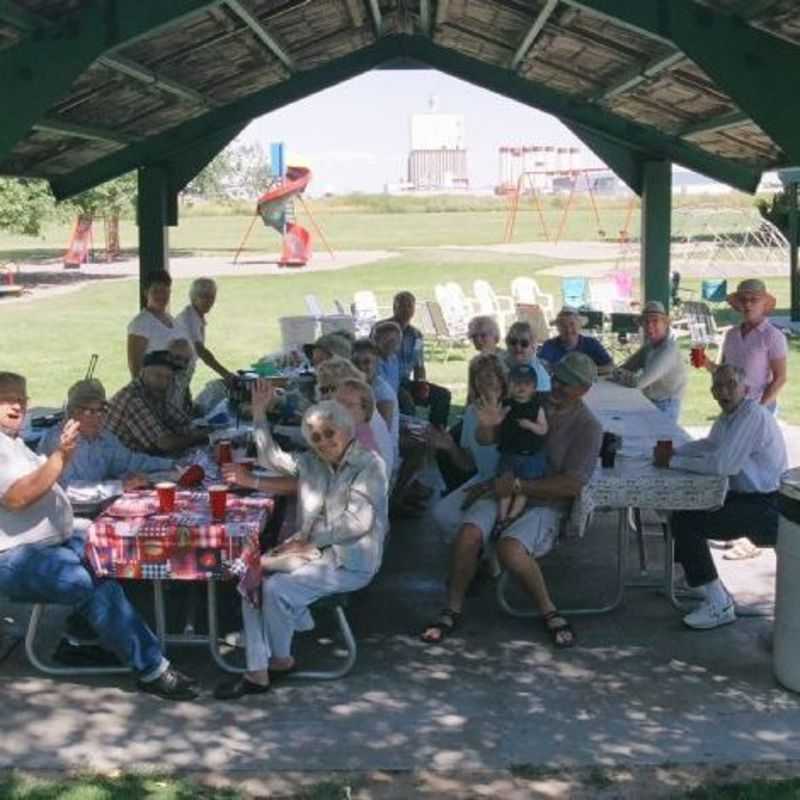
153, 209
656, 230
794, 230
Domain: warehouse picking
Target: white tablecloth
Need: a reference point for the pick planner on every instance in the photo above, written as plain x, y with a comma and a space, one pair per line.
634, 481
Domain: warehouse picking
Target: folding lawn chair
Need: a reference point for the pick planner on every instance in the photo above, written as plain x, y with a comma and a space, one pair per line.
575, 291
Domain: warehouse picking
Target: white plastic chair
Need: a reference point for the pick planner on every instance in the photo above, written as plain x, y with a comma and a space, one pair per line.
526, 291
365, 311
501, 307
314, 306
452, 306
602, 296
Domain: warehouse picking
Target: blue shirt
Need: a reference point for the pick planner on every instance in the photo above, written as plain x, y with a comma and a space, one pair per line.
553, 350
101, 459
389, 370
412, 352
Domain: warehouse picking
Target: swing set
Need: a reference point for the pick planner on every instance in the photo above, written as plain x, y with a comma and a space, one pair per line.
576, 182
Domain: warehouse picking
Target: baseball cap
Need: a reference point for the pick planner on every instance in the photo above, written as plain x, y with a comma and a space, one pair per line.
575, 369
522, 372
86, 391
160, 358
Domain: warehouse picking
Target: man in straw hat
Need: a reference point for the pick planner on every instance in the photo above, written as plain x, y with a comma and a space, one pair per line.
759, 349
571, 447
569, 323
756, 345
657, 368
101, 465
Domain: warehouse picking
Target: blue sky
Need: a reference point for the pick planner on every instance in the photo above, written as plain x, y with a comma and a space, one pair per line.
355, 136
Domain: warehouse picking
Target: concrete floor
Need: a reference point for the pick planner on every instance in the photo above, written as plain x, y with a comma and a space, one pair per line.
638, 689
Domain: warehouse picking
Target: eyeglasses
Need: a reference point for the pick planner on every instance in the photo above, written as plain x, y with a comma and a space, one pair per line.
329, 388
94, 412
317, 436
519, 342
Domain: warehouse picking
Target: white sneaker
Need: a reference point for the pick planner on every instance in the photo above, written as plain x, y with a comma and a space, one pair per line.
683, 590
709, 616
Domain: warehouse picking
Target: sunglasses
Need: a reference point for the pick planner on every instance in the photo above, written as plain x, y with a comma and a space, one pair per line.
328, 388
519, 342
317, 436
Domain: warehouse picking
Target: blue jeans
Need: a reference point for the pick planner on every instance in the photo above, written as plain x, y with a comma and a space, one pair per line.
59, 574
671, 406
526, 467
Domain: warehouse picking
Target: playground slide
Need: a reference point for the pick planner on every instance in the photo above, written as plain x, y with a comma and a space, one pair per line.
272, 207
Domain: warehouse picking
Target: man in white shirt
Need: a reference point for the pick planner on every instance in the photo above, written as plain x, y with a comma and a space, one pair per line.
746, 444
41, 560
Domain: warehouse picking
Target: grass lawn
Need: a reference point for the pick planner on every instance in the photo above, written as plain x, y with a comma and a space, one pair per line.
51, 340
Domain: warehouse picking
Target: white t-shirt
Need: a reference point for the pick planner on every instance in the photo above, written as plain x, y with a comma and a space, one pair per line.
48, 520
384, 441
384, 393
158, 335
195, 326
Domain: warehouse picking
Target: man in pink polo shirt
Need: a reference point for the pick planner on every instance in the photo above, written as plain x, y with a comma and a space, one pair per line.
759, 349
755, 345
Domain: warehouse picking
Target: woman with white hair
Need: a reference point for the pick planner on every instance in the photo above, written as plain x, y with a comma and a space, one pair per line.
342, 521
202, 296
484, 333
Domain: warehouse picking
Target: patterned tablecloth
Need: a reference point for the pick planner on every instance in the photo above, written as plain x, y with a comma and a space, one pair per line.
133, 540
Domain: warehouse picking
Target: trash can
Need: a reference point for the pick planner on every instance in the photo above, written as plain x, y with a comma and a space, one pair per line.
786, 636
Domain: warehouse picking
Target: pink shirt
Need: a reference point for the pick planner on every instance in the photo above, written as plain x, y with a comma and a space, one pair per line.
753, 352
366, 438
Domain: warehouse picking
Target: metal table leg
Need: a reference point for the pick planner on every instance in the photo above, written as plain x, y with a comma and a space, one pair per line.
213, 633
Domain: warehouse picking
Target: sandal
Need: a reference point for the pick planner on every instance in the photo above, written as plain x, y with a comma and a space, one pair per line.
559, 629
742, 549
438, 630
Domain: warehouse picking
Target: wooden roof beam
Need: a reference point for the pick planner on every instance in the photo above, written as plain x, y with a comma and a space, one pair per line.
20, 17
140, 73
261, 33
41, 69
533, 32
755, 69
632, 78
377, 18
62, 127
723, 122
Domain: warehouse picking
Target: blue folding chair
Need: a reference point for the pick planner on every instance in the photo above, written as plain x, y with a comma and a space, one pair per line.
714, 290
575, 291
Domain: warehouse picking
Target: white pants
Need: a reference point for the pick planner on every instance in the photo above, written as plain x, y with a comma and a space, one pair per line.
448, 514
286, 597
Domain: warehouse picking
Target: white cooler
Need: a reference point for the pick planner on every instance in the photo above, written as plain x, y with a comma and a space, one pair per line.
786, 646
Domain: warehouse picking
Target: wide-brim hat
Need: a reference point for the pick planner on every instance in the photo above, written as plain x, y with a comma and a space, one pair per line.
751, 286
571, 311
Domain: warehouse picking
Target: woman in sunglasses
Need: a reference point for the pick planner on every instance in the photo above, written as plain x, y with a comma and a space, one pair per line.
341, 510
521, 344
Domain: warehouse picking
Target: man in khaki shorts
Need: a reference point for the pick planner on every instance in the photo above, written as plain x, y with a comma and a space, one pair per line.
572, 446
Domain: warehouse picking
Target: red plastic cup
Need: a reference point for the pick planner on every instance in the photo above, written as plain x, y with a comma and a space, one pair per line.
698, 355
166, 497
665, 446
224, 452
218, 500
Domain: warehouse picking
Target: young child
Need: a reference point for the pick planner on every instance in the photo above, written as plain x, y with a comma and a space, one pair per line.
520, 440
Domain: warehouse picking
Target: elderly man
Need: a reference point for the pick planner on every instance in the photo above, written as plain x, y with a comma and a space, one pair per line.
202, 296
101, 466
569, 323
414, 387
142, 416
657, 368
746, 444
42, 561
571, 447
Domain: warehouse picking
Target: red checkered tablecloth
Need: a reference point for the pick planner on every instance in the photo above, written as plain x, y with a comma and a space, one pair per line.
131, 539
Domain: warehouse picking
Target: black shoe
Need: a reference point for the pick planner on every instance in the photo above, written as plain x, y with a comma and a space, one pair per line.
187, 680
171, 685
84, 655
233, 690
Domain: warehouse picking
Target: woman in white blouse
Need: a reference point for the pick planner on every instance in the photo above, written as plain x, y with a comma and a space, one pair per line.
153, 328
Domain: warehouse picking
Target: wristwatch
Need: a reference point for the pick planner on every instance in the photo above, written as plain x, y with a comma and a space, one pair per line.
516, 487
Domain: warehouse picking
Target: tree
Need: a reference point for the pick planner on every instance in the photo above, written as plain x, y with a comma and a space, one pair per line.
238, 171
24, 205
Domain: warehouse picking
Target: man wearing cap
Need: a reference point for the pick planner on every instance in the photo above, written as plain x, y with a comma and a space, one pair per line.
415, 389
756, 345
41, 560
746, 445
101, 466
571, 447
329, 345
657, 368
142, 416
569, 323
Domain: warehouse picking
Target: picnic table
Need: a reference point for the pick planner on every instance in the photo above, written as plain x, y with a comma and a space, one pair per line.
133, 540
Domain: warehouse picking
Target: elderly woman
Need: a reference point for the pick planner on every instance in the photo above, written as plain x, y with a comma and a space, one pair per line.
342, 515
366, 357
488, 377
152, 328
568, 324
330, 375
521, 344
657, 368
202, 296
356, 396
101, 465
484, 333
